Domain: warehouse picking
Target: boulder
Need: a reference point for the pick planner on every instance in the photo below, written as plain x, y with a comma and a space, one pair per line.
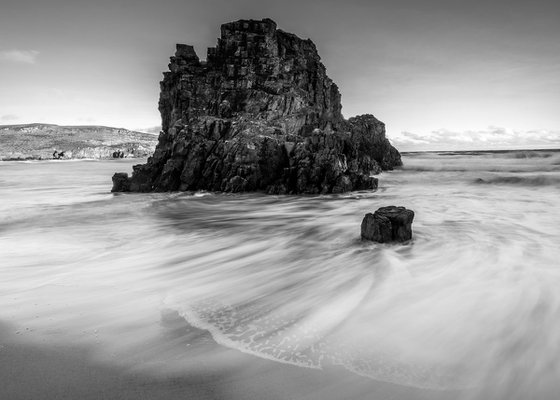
260, 114
388, 224
121, 183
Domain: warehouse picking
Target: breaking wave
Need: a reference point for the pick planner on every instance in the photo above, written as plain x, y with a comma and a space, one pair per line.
533, 180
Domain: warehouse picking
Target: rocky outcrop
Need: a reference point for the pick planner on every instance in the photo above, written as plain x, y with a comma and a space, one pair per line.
388, 224
259, 114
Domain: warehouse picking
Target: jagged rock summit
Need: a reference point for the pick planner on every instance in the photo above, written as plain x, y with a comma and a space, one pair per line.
260, 114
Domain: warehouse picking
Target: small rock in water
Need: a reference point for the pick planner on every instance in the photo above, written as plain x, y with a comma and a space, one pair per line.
121, 183
388, 224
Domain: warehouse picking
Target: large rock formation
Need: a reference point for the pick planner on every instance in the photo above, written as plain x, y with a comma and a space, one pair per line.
259, 114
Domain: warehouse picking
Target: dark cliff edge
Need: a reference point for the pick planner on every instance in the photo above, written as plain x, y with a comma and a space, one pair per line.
260, 114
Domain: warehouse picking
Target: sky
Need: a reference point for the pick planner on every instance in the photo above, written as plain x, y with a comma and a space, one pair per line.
441, 74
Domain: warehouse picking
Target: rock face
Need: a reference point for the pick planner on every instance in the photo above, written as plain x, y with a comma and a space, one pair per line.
388, 224
259, 114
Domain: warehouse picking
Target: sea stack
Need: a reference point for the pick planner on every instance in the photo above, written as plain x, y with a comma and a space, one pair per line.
260, 114
388, 224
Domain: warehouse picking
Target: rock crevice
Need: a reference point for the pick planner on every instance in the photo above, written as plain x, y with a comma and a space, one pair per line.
259, 114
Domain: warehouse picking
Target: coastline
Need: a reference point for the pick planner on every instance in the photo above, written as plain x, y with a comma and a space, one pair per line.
30, 159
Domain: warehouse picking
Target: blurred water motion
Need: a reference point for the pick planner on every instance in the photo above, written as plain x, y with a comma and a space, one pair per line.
472, 302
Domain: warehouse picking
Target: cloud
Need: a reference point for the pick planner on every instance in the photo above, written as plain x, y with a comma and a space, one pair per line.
9, 117
491, 138
19, 56
153, 130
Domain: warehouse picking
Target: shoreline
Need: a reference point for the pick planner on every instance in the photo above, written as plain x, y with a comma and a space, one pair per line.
70, 159
405, 153
203, 369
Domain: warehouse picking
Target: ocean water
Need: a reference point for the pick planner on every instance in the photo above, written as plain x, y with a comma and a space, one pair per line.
472, 302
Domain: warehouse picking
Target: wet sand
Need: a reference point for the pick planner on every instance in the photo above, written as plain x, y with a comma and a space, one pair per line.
39, 369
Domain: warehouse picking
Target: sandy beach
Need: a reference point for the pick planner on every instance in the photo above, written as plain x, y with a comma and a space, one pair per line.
39, 369
210, 296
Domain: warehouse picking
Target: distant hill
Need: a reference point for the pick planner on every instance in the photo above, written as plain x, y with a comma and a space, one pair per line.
40, 141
